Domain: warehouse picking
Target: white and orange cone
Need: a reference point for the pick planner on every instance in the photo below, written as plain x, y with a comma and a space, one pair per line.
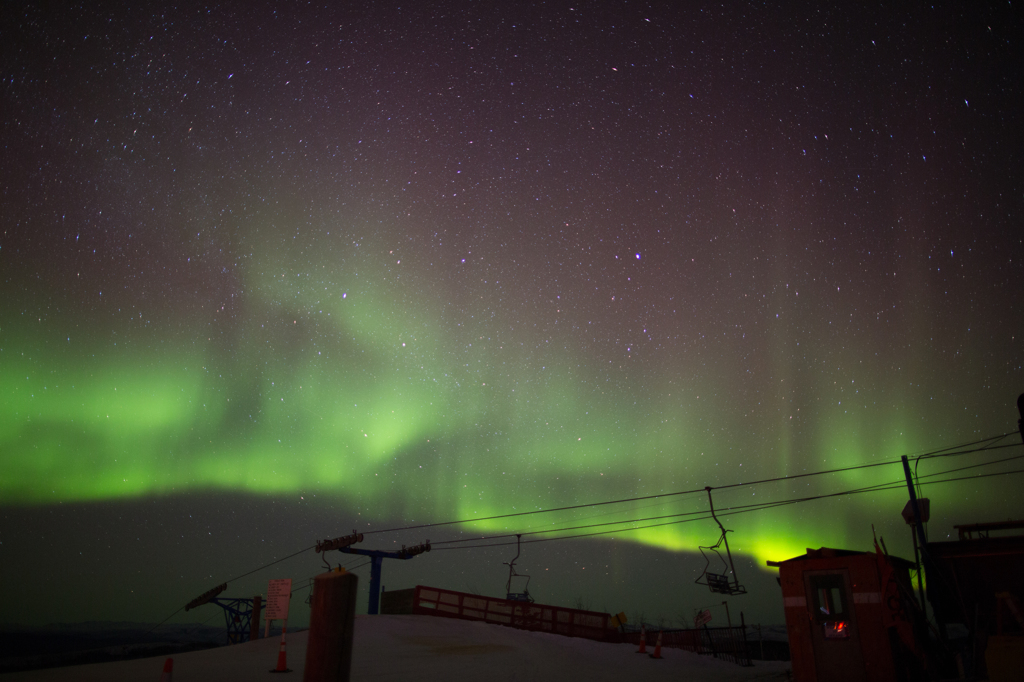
657, 647
168, 672
282, 658
643, 640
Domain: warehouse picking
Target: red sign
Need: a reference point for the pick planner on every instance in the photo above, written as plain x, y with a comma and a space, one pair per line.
702, 617
278, 596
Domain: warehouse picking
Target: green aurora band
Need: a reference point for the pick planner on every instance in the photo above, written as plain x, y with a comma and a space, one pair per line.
359, 380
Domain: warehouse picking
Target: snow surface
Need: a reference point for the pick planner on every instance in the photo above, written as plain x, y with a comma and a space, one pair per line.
429, 648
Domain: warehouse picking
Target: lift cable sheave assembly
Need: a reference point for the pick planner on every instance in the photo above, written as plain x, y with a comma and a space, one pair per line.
324, 546
719, 582
517, 596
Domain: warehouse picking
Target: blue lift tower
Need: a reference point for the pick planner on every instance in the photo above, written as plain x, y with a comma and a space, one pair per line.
377, 556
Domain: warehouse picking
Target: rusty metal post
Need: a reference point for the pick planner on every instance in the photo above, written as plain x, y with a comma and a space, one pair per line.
254, 620
746, 644
331, 625
732, 633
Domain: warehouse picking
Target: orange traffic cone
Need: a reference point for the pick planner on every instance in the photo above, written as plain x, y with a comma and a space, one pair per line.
168, 672
643, 640
282, 659
657, 647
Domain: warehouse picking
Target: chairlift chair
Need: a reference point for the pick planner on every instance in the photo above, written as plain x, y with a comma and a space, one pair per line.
719, 582
517, 596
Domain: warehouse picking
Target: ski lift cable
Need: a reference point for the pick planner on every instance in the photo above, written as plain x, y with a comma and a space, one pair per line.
272, 563
894, 485
944, 452
631, 509
882, 487
703, 515
757, 507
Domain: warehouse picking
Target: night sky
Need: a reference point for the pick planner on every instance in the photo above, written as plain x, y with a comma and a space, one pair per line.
272, 272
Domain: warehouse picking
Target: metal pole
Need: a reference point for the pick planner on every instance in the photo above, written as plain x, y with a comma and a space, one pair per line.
746, 644
732, 634
917, 560
375, 564
919, 527
913, 503
254, 620
1020, 408
711, 641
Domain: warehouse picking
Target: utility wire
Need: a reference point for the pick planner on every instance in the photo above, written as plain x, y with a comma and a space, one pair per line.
993, 440
973, 466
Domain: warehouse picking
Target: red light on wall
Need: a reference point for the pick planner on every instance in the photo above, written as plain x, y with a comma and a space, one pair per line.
836, 629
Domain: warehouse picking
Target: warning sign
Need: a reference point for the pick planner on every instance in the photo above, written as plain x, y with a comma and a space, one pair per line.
702, 617
279, 593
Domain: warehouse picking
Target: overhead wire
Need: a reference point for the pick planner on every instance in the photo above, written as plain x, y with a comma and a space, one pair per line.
944, 452
704, 514
237, 577
993, 446
530, 530
894, 486
272, 563
726, 511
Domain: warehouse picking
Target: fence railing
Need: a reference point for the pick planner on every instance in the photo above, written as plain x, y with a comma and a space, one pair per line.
433, 601
726, 643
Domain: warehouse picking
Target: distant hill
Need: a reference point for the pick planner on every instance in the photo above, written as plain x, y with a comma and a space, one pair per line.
59, 644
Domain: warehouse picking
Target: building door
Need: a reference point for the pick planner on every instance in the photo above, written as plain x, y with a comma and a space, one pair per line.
838, 656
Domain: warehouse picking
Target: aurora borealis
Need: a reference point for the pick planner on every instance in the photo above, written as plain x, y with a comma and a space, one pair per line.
398, 264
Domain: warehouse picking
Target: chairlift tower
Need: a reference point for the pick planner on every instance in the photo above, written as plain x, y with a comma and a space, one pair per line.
376, 560
239, 613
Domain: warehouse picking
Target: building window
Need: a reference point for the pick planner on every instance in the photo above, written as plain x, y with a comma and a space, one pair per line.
830, 605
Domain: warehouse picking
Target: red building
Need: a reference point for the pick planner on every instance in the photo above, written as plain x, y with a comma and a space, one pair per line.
850, 617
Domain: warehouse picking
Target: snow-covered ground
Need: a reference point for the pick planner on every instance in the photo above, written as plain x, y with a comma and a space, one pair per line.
428, 648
